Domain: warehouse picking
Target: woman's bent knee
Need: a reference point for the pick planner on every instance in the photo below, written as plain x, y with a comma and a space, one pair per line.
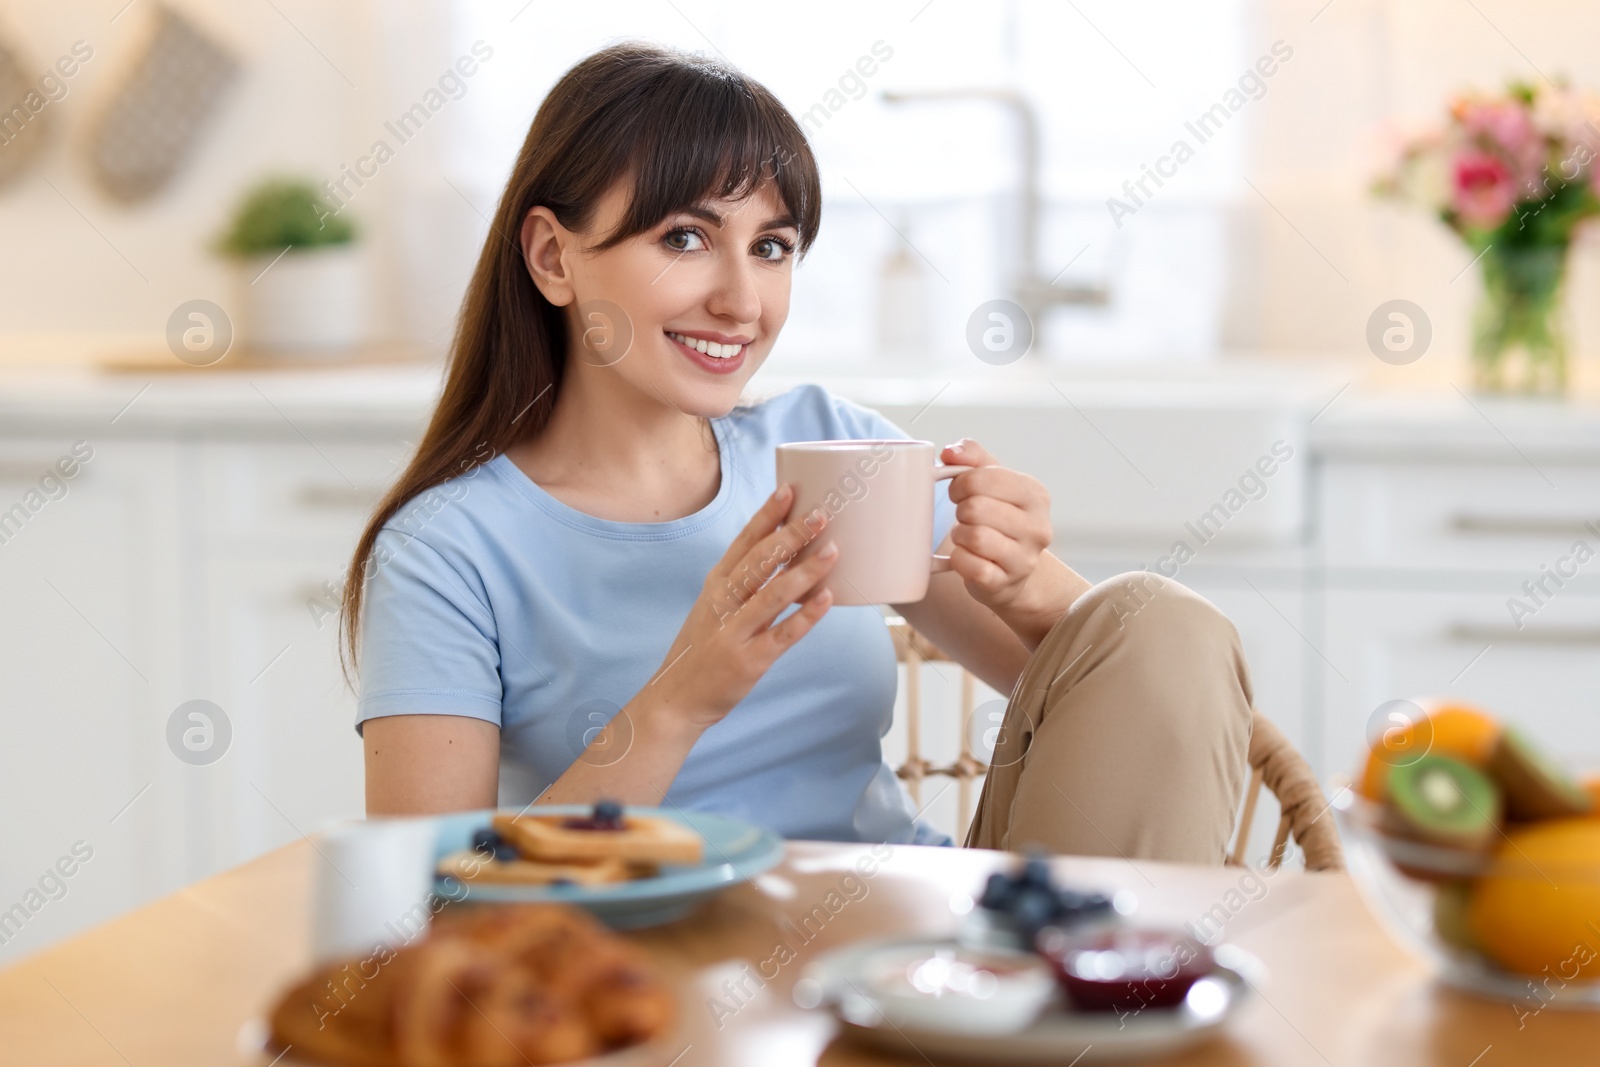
1153, 601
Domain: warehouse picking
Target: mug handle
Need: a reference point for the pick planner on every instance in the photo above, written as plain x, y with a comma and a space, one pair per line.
940, 473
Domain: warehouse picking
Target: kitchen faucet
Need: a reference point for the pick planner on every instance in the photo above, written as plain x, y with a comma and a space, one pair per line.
1028, 288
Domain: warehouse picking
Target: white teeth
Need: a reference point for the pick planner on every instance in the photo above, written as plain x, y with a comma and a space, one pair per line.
709, 348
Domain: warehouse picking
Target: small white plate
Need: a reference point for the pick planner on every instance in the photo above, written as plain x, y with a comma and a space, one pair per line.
1057, 1036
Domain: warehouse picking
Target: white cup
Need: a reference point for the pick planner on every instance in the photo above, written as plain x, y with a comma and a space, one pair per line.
372, 885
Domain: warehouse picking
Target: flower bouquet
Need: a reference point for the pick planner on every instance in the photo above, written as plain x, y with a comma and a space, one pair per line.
1514, 175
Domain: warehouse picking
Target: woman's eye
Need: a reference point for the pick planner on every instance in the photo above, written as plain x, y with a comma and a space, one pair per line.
683, 240
773, 248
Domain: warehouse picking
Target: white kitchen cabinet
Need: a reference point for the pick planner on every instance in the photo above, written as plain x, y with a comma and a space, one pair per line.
280, 517
1508, 516
1128, 466
295, 761
176, 567
260, 495
1420, 562
1384, 645
88, 669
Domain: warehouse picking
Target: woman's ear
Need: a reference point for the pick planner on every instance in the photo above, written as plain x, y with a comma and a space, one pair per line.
545, 243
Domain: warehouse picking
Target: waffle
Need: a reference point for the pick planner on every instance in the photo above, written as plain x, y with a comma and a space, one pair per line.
476, 868
641, 839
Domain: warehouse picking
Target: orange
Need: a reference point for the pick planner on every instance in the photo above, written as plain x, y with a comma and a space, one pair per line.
1450, 729
1535, 911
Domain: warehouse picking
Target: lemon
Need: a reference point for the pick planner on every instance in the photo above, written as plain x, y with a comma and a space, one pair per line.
1538, 906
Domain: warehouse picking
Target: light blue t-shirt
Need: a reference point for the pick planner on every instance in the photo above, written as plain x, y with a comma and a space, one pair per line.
490, 598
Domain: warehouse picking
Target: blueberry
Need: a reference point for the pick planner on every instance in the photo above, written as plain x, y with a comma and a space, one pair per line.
489, 843
563, 881
1036, 871
607, 812
1032, 909
996, 892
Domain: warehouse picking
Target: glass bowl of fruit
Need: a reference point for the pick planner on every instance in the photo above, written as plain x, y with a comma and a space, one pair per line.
1481, 854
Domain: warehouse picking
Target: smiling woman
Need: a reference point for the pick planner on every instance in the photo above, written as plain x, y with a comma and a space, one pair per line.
569, 628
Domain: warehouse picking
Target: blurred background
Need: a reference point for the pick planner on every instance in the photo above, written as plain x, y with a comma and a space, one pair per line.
1186, 344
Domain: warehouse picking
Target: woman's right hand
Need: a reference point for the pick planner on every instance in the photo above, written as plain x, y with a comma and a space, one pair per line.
727, 643
730, 638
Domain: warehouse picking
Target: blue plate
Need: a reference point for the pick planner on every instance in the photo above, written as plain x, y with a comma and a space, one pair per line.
735, 852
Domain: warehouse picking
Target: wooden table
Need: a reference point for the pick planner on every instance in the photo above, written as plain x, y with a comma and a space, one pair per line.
171, 984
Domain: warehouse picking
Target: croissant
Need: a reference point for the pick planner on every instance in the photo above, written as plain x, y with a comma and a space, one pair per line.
498, 986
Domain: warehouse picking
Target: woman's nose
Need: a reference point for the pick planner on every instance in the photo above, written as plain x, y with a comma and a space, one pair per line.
735, 296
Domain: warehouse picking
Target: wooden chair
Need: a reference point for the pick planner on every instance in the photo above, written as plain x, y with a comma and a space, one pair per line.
1274, 763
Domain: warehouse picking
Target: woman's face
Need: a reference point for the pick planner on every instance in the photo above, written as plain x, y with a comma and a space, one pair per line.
685, 311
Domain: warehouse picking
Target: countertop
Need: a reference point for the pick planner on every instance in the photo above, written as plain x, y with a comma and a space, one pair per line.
1353, 410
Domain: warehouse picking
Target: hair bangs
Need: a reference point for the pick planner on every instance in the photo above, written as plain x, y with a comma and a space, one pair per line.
701, 133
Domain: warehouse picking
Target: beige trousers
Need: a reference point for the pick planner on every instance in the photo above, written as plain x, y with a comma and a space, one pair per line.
1127, 733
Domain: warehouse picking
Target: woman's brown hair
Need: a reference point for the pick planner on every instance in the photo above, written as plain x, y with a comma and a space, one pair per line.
684, 129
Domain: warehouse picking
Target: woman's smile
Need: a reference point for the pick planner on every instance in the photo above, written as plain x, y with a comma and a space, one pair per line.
714, 352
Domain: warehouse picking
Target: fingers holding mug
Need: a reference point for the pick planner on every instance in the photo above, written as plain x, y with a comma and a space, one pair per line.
768, 517
988, 558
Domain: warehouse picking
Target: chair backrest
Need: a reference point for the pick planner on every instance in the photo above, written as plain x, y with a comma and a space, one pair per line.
912, 649
1302, 806
1274, 763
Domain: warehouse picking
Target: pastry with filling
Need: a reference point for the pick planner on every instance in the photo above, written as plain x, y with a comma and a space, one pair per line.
502, 986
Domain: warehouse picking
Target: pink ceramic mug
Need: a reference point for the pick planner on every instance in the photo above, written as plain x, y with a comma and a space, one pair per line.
878, 496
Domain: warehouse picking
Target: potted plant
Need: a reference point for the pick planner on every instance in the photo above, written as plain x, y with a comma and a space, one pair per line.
1514, 175
301, 282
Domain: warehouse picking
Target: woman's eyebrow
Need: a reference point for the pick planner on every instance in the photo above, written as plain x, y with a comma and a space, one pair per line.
702, 211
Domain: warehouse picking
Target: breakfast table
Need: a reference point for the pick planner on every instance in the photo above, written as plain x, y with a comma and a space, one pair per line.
175, 982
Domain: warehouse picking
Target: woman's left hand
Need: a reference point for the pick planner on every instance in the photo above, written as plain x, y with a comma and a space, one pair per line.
999, 543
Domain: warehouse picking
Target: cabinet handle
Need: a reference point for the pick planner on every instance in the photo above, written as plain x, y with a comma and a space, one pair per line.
337, 497
1518, 525
1476, 634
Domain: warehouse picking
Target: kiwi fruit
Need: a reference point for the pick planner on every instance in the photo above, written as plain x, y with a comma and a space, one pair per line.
1442, 801
1534, 787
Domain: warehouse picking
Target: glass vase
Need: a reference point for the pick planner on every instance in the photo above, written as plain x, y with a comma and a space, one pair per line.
1519, 343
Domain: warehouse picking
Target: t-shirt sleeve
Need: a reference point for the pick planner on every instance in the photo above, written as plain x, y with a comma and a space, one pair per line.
428, 642
861, 423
